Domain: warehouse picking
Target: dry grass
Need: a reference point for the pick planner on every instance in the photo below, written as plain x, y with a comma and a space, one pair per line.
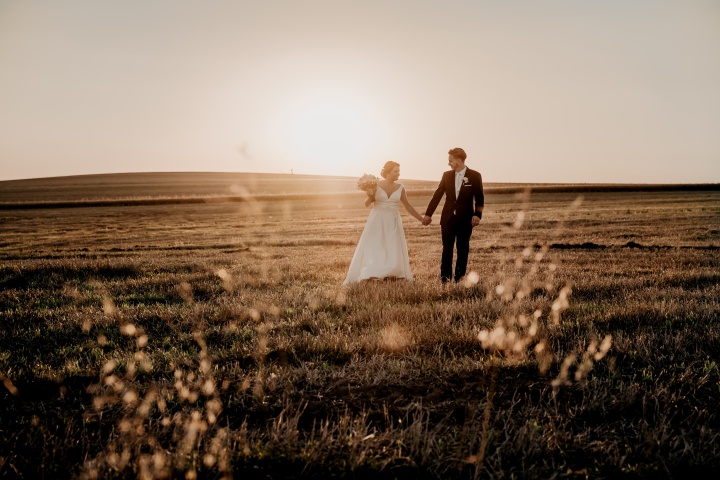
215, 340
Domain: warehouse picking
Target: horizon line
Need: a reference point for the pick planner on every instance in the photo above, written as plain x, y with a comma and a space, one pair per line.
521, 182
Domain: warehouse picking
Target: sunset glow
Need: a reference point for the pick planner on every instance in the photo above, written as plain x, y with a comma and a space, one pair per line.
561, 91
328, 129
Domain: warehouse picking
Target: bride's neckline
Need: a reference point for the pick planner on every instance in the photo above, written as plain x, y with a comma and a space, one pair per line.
390, 194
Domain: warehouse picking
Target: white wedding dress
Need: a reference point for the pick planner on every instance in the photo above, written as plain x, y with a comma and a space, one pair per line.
382, 251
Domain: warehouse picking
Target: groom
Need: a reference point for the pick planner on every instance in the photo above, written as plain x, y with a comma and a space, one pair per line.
460, 186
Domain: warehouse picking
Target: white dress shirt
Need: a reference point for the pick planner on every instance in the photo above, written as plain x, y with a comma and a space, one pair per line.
459, 180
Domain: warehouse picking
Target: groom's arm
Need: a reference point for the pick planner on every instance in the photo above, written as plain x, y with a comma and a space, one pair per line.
435, 200
479, 195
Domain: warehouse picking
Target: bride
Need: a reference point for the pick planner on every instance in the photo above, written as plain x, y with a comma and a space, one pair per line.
382, 251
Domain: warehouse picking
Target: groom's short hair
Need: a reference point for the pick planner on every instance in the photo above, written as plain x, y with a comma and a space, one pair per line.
458, 153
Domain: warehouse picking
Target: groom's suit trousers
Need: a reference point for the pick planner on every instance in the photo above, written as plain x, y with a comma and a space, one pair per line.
455, 234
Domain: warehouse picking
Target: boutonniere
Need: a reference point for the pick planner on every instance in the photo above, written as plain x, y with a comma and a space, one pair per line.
465, 180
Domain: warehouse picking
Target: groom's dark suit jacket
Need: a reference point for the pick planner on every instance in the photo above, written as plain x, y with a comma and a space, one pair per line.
462, 206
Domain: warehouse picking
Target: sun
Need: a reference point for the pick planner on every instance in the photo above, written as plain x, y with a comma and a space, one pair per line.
328, 130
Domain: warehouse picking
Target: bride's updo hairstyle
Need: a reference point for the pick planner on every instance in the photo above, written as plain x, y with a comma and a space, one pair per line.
388, 168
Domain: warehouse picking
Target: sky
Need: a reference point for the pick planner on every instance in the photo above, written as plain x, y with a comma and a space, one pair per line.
569, 91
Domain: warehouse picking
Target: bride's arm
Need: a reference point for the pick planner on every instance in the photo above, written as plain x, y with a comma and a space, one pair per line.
408, 207
370, 198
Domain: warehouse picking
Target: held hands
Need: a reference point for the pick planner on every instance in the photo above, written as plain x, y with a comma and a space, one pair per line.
428, 220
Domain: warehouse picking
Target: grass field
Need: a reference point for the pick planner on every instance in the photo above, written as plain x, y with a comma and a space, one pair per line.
214, 340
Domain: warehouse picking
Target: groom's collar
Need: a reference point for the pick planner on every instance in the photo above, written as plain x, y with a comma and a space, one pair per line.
462, 172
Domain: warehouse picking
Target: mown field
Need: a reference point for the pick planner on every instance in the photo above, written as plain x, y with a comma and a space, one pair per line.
214, 340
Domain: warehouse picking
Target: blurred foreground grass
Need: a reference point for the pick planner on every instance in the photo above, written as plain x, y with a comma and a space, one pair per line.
216, 341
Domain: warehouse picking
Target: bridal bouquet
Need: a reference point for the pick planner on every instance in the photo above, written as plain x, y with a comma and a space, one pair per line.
367, 182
